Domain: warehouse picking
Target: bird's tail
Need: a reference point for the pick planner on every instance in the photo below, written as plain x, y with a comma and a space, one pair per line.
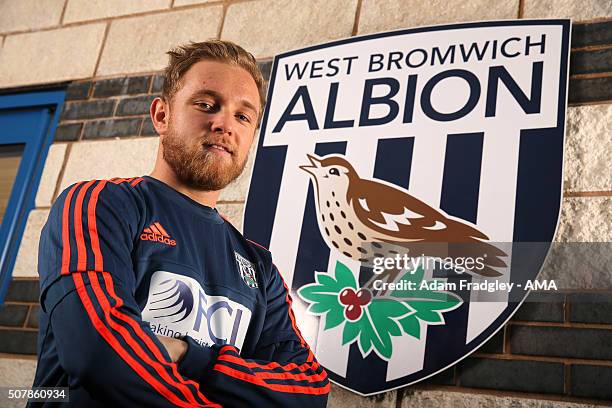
487, 256
461, 230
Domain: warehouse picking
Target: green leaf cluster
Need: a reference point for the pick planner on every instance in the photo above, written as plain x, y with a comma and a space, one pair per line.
402, 312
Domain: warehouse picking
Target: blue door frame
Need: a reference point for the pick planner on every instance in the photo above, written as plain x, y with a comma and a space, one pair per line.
29, 119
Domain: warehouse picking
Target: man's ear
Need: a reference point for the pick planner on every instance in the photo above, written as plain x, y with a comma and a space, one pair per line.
160, 112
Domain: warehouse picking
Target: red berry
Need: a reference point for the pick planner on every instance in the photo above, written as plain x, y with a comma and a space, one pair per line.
348, 297
364, 296
353, 312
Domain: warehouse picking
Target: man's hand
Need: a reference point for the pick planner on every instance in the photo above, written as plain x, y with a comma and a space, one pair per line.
175, 347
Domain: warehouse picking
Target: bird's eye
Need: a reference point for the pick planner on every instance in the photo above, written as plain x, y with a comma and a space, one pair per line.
334, 171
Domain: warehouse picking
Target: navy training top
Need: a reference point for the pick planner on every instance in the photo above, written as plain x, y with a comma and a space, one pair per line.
123, 260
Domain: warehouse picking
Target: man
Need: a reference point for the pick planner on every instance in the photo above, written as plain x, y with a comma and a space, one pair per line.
148, 296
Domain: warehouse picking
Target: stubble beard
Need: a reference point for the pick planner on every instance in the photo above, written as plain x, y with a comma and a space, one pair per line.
198, 167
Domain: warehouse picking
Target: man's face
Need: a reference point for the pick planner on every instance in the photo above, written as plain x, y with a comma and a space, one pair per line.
211, 125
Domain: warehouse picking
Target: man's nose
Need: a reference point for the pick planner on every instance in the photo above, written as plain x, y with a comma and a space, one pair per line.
222, 122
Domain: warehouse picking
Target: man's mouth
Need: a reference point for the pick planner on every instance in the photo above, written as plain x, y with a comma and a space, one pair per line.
218, 147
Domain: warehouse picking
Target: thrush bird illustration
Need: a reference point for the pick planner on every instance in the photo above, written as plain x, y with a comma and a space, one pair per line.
364, 218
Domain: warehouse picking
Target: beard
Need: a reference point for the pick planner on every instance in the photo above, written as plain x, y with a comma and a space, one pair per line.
196, 166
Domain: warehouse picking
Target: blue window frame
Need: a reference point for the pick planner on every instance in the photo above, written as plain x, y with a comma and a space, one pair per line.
27, 125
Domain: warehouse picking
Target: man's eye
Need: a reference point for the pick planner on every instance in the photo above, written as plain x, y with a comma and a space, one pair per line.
244, 118
205, 105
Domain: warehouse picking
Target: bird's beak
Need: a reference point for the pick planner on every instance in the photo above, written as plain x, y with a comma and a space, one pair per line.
315, 163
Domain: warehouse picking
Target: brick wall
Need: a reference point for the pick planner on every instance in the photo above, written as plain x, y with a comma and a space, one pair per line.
19, 318
117, 107
109, 55
107, 108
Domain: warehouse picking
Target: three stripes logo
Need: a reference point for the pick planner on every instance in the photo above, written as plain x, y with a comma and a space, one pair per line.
156, 233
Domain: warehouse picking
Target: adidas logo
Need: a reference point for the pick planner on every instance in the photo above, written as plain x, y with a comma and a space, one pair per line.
155, 232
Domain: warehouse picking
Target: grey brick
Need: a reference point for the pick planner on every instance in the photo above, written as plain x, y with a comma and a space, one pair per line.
121, 86
588, 62
78, 90
591, 381
541, 307
591, 307
112, 128
512, 375
582, 90
137, 105
561, 342
138, 85
88, 109
147, 128
18, 341
591, 34
23, 291
34, 317
68, 132
495, 344
158, 84
13, 315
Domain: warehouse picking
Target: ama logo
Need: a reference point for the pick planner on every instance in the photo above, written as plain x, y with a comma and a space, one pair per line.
445, 143
178, 306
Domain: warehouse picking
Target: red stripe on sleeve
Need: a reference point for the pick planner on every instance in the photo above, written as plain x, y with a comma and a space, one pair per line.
312, 366
66, 230
142, 335
105, 333
322, 376
290, 312
289, 302
108, 310
78, 227
117, 180
99, 262
294, 389
292, 318
269, 366
93, 228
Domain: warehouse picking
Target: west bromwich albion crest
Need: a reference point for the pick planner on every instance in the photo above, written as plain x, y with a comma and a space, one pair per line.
443, 142
247, 270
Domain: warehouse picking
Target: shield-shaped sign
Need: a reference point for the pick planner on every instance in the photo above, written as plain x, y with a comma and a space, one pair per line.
430, 136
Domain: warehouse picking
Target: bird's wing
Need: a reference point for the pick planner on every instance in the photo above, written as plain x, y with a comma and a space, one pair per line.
397, 214
393, 212
392, 222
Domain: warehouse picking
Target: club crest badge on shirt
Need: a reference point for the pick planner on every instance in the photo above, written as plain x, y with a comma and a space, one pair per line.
247, 271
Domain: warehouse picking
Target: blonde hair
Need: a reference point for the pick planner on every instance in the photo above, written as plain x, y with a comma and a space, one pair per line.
184, 56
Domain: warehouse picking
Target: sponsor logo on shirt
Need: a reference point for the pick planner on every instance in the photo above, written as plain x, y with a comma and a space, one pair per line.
177, 306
